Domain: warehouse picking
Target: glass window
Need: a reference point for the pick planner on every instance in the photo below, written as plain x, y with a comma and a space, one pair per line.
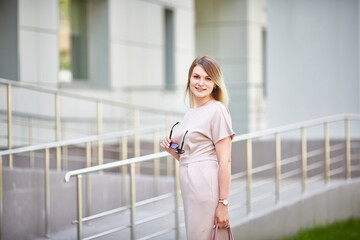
169, 50
73, 40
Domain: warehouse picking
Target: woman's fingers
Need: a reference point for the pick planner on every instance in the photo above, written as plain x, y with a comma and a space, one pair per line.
166, 143
222, 223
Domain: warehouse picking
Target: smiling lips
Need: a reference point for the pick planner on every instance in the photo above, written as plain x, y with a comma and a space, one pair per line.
200, 89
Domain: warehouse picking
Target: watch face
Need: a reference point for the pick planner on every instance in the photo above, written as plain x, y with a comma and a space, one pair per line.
226, 202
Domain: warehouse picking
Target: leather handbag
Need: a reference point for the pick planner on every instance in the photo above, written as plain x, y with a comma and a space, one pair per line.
213, 237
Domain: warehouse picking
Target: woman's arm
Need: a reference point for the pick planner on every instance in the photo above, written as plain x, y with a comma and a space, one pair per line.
223, 153
166, 146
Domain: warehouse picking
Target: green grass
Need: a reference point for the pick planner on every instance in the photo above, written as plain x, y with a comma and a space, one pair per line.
342, 230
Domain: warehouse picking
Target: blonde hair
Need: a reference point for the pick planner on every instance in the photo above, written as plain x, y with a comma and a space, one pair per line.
212, 68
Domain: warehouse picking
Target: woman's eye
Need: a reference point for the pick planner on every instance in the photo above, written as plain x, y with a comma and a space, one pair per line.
208, 79
196, 76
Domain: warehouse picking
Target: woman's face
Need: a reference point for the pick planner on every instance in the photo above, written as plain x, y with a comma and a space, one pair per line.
201, 85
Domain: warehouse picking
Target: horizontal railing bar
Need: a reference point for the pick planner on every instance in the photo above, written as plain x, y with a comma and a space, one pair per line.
340, 158
159, 233
154, 199
263, 168
315, 152
315, 165
115, 164
297, 126
39, 117
103, 214
238, 175
289, 160
319, 177
84, 97
124, 208
290, 173
107, 232
337, 146
336, 171
82, 140
154, 217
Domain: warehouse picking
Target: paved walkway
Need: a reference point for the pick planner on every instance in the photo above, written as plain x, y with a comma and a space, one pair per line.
263, 197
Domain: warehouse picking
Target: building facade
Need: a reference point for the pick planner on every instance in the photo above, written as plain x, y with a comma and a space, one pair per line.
138, 51
298, 57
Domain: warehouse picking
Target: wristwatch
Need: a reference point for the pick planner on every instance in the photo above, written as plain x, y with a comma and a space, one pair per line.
224, 201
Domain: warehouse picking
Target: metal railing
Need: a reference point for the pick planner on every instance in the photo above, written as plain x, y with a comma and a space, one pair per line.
278, 165
259, 180
25, 127
118, 140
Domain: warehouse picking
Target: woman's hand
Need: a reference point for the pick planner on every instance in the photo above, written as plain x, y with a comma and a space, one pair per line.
222, 216
166, 146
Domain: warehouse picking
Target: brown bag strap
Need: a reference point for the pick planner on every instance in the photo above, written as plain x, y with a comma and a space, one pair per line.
231, 237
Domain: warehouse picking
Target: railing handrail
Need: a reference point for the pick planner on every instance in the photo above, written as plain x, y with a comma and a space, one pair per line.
153, 156
294, 126
51, 118
81, 140
120, 163
84, 97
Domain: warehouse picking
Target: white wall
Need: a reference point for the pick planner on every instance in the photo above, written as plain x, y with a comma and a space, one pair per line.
38, 41
230, 31
137, 48
313, 59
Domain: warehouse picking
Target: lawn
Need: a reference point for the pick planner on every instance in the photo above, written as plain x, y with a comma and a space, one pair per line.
342, 230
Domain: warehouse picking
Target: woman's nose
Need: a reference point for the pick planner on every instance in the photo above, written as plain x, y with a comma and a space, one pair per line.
201, 81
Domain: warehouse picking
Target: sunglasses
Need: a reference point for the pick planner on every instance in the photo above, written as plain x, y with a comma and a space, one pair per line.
174, 145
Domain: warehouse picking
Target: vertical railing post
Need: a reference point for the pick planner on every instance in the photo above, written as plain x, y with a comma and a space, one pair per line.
88, 179
132, 199
177, 201
249, 173
99, 131
79, 207
304, 158
58, 131
137, 137
9, 124
156, 163
124, 169
278, 165
31, 142
64, 148
348, 149
327, 152
1, 198
47, 192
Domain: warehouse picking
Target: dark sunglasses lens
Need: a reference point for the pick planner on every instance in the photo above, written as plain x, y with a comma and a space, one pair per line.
174, 145
179, 152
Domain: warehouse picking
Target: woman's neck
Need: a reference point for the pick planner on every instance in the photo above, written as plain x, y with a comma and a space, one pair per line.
202, 102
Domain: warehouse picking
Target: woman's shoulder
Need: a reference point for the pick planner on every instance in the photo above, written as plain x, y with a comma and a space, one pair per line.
220, 107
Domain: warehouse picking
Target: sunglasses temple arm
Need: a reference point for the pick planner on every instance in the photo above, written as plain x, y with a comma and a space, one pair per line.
182, 144
172, 129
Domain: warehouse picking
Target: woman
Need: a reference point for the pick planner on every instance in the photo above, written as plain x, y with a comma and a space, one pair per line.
202, 144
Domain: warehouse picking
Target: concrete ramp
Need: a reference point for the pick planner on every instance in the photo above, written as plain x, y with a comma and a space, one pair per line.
337, 201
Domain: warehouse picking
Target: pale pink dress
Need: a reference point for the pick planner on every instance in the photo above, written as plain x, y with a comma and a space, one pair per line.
199, 167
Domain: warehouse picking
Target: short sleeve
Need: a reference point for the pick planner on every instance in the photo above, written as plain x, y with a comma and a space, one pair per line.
221, 126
